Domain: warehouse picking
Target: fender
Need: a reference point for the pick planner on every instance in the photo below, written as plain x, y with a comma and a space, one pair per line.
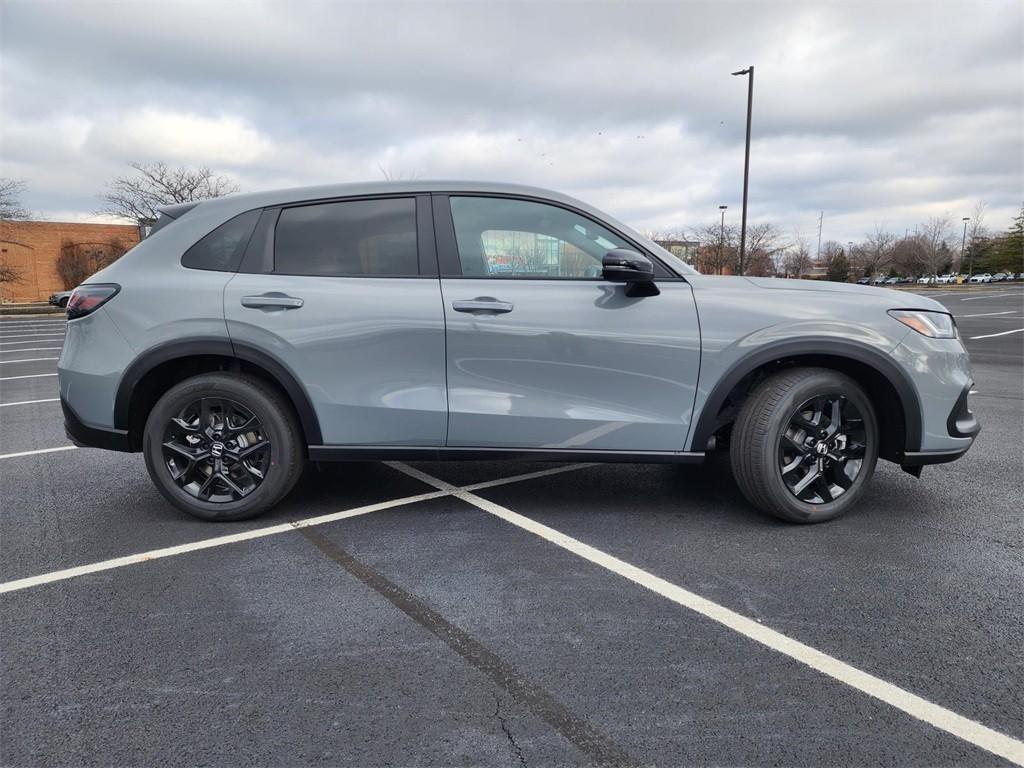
826, 346
222, 347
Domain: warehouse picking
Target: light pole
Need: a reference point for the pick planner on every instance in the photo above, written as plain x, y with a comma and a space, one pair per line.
721, 238
746, 163
963, 243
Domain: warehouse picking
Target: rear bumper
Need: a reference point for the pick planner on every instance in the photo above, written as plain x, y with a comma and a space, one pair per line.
85, 436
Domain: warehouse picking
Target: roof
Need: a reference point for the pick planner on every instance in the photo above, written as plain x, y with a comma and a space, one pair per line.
209, 213
352, 189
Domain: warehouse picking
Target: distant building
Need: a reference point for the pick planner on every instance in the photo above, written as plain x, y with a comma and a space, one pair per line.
683, 249
32, 248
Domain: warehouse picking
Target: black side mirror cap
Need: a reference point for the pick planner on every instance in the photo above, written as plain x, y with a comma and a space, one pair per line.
622, 265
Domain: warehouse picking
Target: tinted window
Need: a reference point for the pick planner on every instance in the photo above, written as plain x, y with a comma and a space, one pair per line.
222, 249
360, 237
518, 238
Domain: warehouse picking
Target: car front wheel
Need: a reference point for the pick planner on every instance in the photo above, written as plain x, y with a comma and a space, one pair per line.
805, 445
223, 446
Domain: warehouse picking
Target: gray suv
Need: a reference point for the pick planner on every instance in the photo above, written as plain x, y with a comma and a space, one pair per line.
454, 320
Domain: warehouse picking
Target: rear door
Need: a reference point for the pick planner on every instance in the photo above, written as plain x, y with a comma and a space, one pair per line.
544, 353
345, 295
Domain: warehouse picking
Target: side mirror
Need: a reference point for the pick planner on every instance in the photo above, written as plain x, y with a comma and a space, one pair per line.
635, 270
625, 266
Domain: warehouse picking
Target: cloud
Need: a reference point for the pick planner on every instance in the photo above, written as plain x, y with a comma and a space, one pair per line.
871, 112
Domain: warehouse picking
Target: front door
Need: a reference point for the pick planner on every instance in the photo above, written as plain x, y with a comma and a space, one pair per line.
335, 292
544, 353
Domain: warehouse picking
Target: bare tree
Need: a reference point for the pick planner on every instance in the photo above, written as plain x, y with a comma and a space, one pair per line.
391, 175
10, 274
718, 248
977, 235
11, 210
764, 246
78, 261
138, 196
934, 237
875, 253
909, 257
11, 191
798, 257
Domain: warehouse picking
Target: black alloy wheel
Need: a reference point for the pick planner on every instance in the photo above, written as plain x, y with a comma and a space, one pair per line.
822, 450
216, 450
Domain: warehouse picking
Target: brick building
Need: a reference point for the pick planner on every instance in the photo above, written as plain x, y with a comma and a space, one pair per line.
32, 247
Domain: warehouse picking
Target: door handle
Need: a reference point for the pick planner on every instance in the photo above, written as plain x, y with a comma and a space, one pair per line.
483, 305
271, 301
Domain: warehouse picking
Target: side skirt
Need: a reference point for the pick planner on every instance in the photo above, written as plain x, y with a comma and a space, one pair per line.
386, 452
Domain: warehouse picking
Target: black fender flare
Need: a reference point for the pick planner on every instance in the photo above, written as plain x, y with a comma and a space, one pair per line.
222, 347
829, 347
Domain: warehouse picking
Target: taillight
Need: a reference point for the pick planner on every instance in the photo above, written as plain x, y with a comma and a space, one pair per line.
86, 299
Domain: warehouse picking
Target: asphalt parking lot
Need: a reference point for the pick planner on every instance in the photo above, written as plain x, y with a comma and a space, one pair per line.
510, 614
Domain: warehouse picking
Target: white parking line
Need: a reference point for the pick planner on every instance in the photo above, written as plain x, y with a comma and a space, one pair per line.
219, 541
43, 339
28, 335
32, 324
991, 296
41, 450
992, 314
938, 716
32, 376
30, 402
29, 360
32, 349
4, 323
1004, 333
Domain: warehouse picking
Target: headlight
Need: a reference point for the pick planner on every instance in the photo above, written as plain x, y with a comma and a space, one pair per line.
935, 325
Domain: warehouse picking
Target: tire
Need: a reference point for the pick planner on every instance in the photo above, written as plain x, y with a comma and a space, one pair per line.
64, 303
234, 460
773, 431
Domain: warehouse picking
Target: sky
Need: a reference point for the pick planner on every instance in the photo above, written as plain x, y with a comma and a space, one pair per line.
874, 113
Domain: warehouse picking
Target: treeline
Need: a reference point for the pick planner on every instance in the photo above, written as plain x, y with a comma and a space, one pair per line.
931, 248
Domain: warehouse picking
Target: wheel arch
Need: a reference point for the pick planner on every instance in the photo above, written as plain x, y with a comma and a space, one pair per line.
890, 389
158, 369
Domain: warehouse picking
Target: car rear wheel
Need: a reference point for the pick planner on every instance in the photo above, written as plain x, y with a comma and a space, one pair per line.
223, 446
805, 445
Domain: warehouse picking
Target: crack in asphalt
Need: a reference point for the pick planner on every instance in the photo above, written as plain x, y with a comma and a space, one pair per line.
504, 727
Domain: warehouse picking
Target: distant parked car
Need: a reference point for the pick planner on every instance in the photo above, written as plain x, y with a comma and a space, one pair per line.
946, 279
60, 299
864, 281
880, 280
984, 278
999, 277
891, 281
926, 280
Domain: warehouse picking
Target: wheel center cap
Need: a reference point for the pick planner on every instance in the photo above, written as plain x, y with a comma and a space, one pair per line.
821, 448
217, 450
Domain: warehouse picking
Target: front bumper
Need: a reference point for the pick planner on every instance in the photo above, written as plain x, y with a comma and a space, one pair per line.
961, 424
85, 436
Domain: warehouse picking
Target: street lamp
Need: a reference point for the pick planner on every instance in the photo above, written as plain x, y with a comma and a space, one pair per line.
746, 163
721, 237
964, 243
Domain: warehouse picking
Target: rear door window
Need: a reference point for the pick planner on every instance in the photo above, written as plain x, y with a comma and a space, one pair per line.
353, 238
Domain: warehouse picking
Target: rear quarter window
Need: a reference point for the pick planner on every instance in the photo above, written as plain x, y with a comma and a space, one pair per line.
221, 250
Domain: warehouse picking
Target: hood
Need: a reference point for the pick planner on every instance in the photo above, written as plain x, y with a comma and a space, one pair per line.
805, 290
